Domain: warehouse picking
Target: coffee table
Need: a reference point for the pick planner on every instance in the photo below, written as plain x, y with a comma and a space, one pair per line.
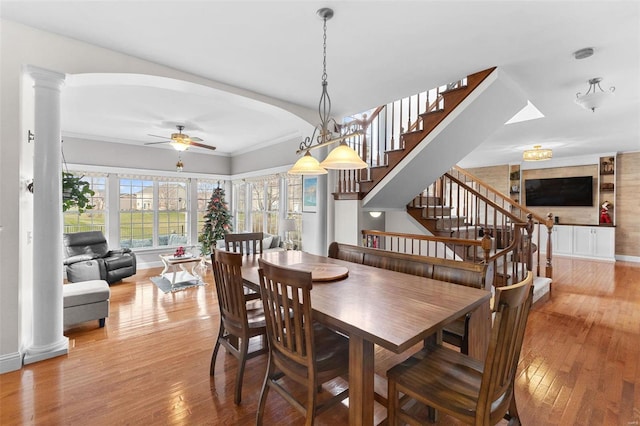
175, 271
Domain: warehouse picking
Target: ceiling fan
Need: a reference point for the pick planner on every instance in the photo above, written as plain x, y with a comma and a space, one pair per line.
181, 141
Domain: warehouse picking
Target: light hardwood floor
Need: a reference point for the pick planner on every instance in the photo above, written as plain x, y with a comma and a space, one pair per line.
580, 363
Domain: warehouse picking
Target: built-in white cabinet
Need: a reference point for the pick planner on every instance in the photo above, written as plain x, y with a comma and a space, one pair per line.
596, 242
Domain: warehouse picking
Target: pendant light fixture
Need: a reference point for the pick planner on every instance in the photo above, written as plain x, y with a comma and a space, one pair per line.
342, 157
595, 96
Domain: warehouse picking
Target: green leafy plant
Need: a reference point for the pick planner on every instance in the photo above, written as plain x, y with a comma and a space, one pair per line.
76, 193
217, 222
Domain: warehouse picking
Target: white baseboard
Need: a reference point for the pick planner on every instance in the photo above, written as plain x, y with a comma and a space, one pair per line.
628, 258
10, 362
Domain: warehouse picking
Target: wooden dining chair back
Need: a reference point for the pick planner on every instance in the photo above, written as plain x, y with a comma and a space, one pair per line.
474, 392
237, 323
299, 348
244, 242
456, 333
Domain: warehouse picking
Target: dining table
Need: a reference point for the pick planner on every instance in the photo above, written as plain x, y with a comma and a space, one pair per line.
375, 306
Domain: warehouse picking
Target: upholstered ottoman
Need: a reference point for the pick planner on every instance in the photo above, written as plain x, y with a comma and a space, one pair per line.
86, 301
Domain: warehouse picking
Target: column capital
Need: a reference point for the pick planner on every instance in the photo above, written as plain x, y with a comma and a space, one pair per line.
45, 77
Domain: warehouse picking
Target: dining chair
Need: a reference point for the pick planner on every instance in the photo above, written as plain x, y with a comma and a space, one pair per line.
244, 242
456, 333
463, 387
237, 323
299, 348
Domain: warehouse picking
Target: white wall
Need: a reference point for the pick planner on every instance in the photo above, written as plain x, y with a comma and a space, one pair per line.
21, 45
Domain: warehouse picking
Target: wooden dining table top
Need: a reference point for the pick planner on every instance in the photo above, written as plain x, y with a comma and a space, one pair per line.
390, 309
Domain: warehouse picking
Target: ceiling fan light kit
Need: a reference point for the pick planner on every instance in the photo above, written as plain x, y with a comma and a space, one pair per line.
342, 157
181, 141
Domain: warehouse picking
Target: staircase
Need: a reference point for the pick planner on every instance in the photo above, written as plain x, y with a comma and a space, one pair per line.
436, 217
416, 139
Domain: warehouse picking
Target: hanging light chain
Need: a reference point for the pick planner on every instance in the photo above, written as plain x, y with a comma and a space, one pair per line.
324, 107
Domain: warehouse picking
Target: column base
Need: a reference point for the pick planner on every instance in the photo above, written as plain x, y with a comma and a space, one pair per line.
35, 354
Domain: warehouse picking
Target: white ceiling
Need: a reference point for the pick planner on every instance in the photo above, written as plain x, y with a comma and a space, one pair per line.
377, 51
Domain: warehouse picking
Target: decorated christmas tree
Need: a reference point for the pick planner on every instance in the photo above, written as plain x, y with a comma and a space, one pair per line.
217, 221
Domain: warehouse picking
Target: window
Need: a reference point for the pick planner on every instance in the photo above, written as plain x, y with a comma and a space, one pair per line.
154, 211
172, 213
294, 207
93, 219
240, 207
136, 213
265, 205
205, 190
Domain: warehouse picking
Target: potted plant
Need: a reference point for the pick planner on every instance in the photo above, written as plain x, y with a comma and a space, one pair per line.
76, 193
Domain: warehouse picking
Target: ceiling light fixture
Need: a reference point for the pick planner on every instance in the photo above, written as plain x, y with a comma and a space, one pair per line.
537, 154
342, 157
583, 53
595, 96
179, 146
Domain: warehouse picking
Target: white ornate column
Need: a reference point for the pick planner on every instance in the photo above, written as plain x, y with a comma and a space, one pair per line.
48, 339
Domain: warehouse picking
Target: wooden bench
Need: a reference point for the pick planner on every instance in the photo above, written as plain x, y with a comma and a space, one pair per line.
477, 275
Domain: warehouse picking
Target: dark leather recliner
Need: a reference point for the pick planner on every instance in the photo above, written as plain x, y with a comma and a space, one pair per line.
87, 257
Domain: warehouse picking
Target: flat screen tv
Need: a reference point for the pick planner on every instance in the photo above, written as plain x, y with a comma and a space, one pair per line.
567, 191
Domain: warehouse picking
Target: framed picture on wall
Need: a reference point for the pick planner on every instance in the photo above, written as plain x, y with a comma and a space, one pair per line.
310, 194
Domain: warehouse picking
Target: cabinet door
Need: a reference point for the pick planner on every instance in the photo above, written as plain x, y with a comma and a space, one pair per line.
583, 241
562, 239
605, 243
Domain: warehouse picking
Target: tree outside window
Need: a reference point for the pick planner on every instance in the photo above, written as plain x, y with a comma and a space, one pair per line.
93, 219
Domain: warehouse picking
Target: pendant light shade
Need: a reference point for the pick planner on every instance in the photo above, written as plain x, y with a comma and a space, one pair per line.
307, 165
343, 157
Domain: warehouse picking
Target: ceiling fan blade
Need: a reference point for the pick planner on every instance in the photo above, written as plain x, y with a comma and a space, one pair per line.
201, 145
197, 139
155, 143
156, 136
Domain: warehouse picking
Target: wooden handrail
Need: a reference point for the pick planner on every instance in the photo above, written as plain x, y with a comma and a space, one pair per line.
499, 194
485, 243
514, 250
547, 222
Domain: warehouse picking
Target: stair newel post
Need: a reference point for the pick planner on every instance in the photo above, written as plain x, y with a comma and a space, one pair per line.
529, 251
548, 272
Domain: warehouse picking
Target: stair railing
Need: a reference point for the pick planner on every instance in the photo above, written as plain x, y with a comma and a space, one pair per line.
520, 214
428, 245
382, 128
472, 209
509, 264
